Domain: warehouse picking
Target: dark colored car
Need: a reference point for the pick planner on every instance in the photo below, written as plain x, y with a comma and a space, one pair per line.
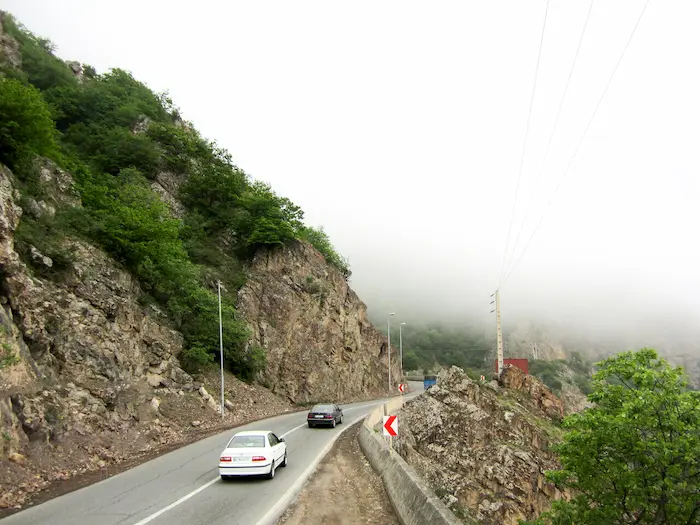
330, 415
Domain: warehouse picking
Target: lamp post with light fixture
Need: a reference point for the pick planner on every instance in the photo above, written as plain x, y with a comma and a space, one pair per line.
389, 346
401, 350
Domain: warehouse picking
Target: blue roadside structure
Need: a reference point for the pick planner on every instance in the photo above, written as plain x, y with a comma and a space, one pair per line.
429, 381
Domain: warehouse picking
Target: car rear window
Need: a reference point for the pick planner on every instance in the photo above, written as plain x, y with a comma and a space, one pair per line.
247, 441
322, 408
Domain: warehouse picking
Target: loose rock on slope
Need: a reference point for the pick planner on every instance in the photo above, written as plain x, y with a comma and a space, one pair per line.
483, 448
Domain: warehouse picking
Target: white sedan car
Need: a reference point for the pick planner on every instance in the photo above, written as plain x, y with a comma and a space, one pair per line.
253, 453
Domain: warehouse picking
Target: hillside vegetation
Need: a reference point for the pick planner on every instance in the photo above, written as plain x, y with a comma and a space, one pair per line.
431, 346
115, 136
434, 346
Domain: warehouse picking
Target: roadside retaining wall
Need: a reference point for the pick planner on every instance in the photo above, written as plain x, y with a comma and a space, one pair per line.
413, 500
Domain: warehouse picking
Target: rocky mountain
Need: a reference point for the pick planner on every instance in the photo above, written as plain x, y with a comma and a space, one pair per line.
318, 339
115, 219
484, 447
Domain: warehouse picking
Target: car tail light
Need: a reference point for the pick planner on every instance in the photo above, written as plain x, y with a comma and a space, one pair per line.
329, 416
259, 458
309, 415
224, 459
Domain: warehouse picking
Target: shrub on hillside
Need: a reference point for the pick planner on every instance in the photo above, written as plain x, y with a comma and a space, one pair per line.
26, 127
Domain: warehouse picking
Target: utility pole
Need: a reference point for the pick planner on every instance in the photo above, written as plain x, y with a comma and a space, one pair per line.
499, 334
221, 349
401, 349
388, 333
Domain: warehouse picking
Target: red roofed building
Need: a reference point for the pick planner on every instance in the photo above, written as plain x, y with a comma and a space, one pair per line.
522, 364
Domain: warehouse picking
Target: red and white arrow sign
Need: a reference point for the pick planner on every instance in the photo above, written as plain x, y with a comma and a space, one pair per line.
402, 388
390, 426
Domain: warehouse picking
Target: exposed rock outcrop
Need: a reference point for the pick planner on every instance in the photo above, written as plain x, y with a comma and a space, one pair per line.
484, 449
320, 344
515, 379
9, 49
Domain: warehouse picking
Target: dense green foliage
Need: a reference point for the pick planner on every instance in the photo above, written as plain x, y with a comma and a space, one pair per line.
435, 345
634, 458
25, 123
115, 136
554, 373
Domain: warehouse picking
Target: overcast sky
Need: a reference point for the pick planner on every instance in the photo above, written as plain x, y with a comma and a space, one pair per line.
399, 127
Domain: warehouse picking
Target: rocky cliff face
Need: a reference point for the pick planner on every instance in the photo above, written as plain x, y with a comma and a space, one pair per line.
484, 448
320, 344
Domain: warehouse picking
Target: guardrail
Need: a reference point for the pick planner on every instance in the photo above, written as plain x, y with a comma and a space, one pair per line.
413, 500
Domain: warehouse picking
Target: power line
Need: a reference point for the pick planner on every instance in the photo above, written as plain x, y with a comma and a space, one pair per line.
527, 133
551, 136
571, 160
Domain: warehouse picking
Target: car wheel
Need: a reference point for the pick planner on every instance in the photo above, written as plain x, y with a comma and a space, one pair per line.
310, 425
224, 478
333, 424
284, 461
271, 475
341, 418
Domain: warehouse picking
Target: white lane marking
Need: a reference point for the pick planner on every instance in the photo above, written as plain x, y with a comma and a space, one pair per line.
278, 509
295, 428
175, 504
196, 491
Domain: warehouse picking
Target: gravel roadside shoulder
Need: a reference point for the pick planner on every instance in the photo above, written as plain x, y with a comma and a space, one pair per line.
344, 490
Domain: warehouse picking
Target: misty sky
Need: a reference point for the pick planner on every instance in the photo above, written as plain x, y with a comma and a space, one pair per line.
399, 127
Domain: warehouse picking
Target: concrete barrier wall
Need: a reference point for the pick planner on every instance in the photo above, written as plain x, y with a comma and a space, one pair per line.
390, 407
413, 500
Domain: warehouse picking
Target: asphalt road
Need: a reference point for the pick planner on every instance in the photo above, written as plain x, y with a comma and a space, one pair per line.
183, 487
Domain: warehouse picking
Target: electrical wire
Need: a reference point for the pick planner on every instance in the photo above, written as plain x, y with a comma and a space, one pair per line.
527, 133
571, 160
551, 135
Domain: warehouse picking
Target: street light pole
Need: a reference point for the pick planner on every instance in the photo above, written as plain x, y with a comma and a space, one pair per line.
389, 346
401, 349
221, 349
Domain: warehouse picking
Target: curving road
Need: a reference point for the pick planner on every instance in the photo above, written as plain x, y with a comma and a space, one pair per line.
183, 487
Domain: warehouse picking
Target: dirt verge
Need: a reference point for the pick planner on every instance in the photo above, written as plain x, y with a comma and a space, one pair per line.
345, 490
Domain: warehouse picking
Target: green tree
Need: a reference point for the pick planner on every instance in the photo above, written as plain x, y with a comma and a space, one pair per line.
265, 218
111, 149
212, 193
634, 458
26, 127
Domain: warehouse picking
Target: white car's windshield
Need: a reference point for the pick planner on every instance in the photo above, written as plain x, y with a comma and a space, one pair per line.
247, 442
